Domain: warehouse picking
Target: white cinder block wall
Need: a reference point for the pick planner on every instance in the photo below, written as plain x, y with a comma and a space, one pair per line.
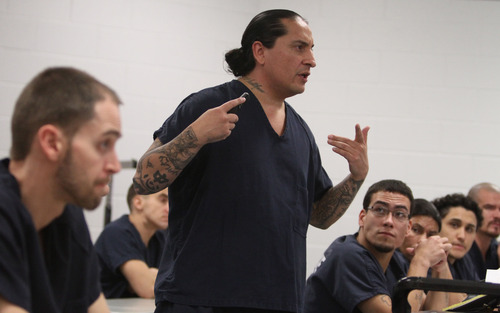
424, 74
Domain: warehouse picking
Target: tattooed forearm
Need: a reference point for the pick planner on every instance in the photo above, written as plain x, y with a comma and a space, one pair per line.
180, 152
334, 203
416, 299
419, 297
162, 163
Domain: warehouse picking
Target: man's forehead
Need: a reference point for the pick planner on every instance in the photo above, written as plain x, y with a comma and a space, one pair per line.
390, 197
107, 117
462, 214
425, 221
298, 28
485, 195
163, 192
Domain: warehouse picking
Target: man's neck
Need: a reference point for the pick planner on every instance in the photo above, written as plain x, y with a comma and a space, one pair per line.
483, 241
273, 106
264, 93
37, 192
142, 227
383, 258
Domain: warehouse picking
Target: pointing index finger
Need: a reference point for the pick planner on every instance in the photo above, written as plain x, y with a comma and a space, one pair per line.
234, 109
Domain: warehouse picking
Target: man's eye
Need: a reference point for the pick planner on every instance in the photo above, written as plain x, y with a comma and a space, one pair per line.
105, 145
417, 230
300, 47
400, 214
470, 229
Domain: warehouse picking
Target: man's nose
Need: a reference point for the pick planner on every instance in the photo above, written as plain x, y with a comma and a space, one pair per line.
310, 60
389, 219
113, 164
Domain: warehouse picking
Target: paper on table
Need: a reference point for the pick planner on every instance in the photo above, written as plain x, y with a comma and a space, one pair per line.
493, 276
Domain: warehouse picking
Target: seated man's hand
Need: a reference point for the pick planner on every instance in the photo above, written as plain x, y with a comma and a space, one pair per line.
433, 252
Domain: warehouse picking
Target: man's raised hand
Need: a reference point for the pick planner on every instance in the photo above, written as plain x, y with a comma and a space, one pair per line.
217, 123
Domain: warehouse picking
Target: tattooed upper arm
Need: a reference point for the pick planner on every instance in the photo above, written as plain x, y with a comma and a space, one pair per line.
381, 303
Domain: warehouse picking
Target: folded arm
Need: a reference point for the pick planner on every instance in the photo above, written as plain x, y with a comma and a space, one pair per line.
430, 253
140, 277
9, 307
99, 306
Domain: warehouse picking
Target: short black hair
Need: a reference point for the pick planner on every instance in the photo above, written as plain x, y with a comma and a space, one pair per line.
389, 185
422, 207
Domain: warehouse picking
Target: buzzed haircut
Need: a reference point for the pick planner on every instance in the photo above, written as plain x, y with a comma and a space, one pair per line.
474, 191
389, 185
61, 96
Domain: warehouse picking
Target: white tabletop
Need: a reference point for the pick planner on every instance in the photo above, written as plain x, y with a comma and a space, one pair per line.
135, 305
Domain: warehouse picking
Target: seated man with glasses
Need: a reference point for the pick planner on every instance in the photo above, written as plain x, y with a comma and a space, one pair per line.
358, 272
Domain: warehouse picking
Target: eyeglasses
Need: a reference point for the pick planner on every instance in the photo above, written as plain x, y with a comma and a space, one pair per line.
382, 211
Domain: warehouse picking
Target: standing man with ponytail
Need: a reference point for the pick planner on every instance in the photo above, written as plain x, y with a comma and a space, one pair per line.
244, 186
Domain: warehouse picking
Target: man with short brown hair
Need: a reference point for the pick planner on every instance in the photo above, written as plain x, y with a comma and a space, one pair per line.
64, 130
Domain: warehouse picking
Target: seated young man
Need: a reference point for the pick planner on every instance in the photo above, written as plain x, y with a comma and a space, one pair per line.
358, 272
65, 126
130, 248
425, 223
460, 218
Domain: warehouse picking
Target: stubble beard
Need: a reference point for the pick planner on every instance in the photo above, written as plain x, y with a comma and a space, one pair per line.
74, 188
382, 248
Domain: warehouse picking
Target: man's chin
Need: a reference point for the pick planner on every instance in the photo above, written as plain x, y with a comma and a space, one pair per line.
493, 234
384, 248
90, 204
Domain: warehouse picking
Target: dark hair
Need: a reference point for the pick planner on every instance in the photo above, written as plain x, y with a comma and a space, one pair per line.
444, 204
130, 196
422, 207
389, 185
265, 27
61, 96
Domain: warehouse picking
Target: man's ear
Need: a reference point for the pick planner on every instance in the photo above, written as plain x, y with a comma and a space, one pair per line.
361, 219
138, 202
409, 228
258, 52
52, 141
